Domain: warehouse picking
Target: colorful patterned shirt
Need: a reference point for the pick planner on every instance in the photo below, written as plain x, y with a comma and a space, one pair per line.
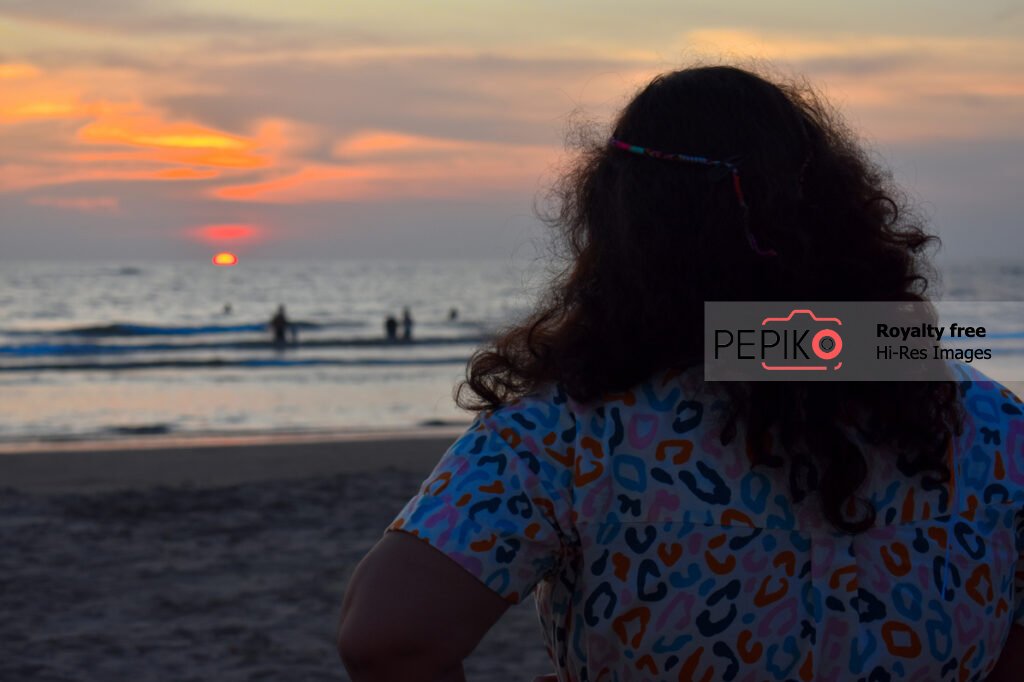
655, 552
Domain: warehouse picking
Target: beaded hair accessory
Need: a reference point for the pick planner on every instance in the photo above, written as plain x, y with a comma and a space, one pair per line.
728, 165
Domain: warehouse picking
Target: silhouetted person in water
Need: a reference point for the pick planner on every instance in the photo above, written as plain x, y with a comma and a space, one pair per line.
279, 325
227, 308
406, 324
391, 327
453, 314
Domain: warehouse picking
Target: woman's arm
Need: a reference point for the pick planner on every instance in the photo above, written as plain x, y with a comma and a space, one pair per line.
411, 613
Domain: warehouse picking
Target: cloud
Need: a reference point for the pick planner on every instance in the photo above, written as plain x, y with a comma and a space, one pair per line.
382, 165
287, 131
211, 118
172, 142
309, 183
441, 93
16, 70
1009, 12
378, 143
88, 204
895, 87
31, 96
863, 65
131, 16
224, 234
56, 133
21, 177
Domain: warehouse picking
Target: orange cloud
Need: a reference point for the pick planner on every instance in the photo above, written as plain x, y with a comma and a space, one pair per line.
36, 96
216, 234
126, 143
23, 176
383, 142
385, 165
281, 137
182, 173
140, 142
176, 142
96, 123
17, 70
313, 182
25, 106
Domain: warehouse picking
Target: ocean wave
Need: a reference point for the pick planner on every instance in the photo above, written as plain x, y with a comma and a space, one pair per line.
66, 349
157, 429
126, 329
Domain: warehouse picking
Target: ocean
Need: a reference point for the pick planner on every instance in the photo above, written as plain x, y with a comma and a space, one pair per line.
109, 350
105, 350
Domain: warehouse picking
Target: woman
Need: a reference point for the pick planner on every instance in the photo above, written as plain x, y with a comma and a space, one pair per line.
672, 528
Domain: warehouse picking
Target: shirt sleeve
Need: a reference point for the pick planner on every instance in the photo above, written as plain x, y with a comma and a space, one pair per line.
498, 503
1013, 437
998, 417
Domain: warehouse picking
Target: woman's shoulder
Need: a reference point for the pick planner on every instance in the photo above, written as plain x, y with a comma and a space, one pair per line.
540, 417
985, 398
992, 439
662, 390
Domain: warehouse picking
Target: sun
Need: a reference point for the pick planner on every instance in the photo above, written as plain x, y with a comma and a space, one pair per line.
225, 258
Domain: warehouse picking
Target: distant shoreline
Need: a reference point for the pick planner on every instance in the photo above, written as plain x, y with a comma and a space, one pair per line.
162, 441
103, 466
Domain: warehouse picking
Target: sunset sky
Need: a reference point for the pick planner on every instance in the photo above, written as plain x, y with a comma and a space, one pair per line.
168, 129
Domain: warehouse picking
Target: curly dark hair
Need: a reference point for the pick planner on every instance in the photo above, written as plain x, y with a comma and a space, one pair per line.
649, 241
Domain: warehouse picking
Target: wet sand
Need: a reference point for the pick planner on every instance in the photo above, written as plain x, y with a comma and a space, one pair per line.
202, 561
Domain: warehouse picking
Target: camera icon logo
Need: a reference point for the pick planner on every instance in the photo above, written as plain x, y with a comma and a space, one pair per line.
792, 331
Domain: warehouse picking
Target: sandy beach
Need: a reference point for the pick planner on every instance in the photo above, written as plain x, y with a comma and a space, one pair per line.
206, 560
